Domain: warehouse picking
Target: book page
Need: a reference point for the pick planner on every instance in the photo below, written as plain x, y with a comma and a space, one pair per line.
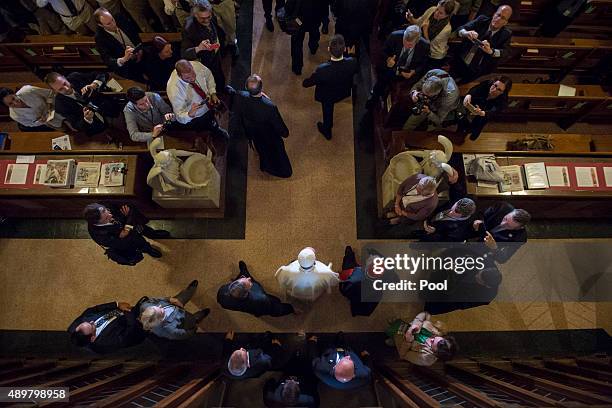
16, 174
565, 90
587, 177
558, 176
41, 169
608, 176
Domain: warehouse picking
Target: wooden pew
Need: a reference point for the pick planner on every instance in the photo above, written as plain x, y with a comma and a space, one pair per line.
536, 102
71, 51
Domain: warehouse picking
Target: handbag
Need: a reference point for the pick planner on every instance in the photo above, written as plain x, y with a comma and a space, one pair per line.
487, 169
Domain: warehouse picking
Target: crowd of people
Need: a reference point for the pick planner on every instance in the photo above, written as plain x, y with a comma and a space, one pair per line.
416, 56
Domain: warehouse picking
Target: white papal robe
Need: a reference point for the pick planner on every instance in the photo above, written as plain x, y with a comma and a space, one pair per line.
306, 284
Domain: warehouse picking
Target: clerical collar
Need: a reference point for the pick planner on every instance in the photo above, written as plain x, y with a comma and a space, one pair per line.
337, 59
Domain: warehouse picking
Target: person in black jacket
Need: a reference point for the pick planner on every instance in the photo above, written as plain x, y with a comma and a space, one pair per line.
503, 224
107, 327
297, 387
351, 279
341, 368
160, 60
121, 229
488, 97
250, 362
255, 116
267, 6
245, 294
80, 101
473, 288
453, 224
406, 59
201, 40
333, 81
309, 13
485, 42
354, 20
118, 44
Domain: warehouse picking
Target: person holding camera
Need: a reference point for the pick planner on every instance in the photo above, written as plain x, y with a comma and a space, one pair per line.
147, 115
486, 41
435, 96
406, 59
482, 102
422, 342
119, 45
80, 101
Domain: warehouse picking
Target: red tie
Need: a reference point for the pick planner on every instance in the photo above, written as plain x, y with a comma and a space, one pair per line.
199, 90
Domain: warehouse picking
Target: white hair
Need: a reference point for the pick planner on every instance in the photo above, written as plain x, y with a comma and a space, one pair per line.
150, 319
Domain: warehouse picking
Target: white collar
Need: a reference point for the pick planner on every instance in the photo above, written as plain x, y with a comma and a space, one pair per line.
337, 59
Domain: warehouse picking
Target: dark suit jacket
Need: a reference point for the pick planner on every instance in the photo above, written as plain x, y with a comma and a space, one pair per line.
492, 217
259, 361
110, 49
449, 230
480, 93
108, 235
257, 303
483, 63
193, 34
72, 109
333, 80
273, 399
420, 58
323, 370
124, 331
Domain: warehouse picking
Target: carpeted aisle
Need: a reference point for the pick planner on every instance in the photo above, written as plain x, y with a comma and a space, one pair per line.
46, 283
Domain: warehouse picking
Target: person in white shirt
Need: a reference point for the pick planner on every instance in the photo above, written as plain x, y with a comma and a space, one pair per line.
192, 92
32, 108
76, 14
306, 278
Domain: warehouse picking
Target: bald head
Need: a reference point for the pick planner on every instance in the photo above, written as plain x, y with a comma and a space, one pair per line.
344, 370
185, 70
501, 17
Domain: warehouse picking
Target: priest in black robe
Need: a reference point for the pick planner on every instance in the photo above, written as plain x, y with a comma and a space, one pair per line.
255, 116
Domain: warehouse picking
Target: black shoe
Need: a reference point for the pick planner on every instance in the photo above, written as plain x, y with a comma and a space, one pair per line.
325, 132
269, 24
348, 251
325, 29
155, 234
313, 51
202, 314
194, 284
297, 71
243, 268
154, 252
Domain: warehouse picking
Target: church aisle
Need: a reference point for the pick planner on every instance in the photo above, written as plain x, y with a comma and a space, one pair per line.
46, 283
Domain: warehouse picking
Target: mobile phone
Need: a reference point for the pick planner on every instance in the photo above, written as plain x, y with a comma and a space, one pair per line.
477, 42
215, 46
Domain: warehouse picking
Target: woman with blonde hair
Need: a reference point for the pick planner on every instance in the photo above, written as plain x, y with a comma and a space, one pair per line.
167, 317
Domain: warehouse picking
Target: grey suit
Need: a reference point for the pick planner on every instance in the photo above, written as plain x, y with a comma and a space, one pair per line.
140, 124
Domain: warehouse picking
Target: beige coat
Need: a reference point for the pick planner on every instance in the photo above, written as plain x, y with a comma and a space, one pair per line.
415, 352
438, 47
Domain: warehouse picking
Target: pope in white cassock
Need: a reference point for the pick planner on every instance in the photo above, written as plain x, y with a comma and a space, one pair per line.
306, 278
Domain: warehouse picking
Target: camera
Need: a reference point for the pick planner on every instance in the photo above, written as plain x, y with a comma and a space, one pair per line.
93, 107
166, 125
421, 102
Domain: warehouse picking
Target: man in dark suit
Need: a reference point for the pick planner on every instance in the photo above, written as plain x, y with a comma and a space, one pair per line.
309, 13
79, 99
257, 118
453, 223
121, 229
341, 368
117, 41
333, 81
245, 294
503, 224
351, 279
250, 362
486, 41
354, 20
406, 58
297, 387
473, 288
108, 327
201, 40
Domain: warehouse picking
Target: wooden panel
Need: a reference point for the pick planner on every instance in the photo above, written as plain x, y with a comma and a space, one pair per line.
92, 373
564, 365
187, 390
573, 380
572, 393
32, 378
407, 387
91, 389
597, 364
517, 392
597, 14
198, 398
28, 368
398, 396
